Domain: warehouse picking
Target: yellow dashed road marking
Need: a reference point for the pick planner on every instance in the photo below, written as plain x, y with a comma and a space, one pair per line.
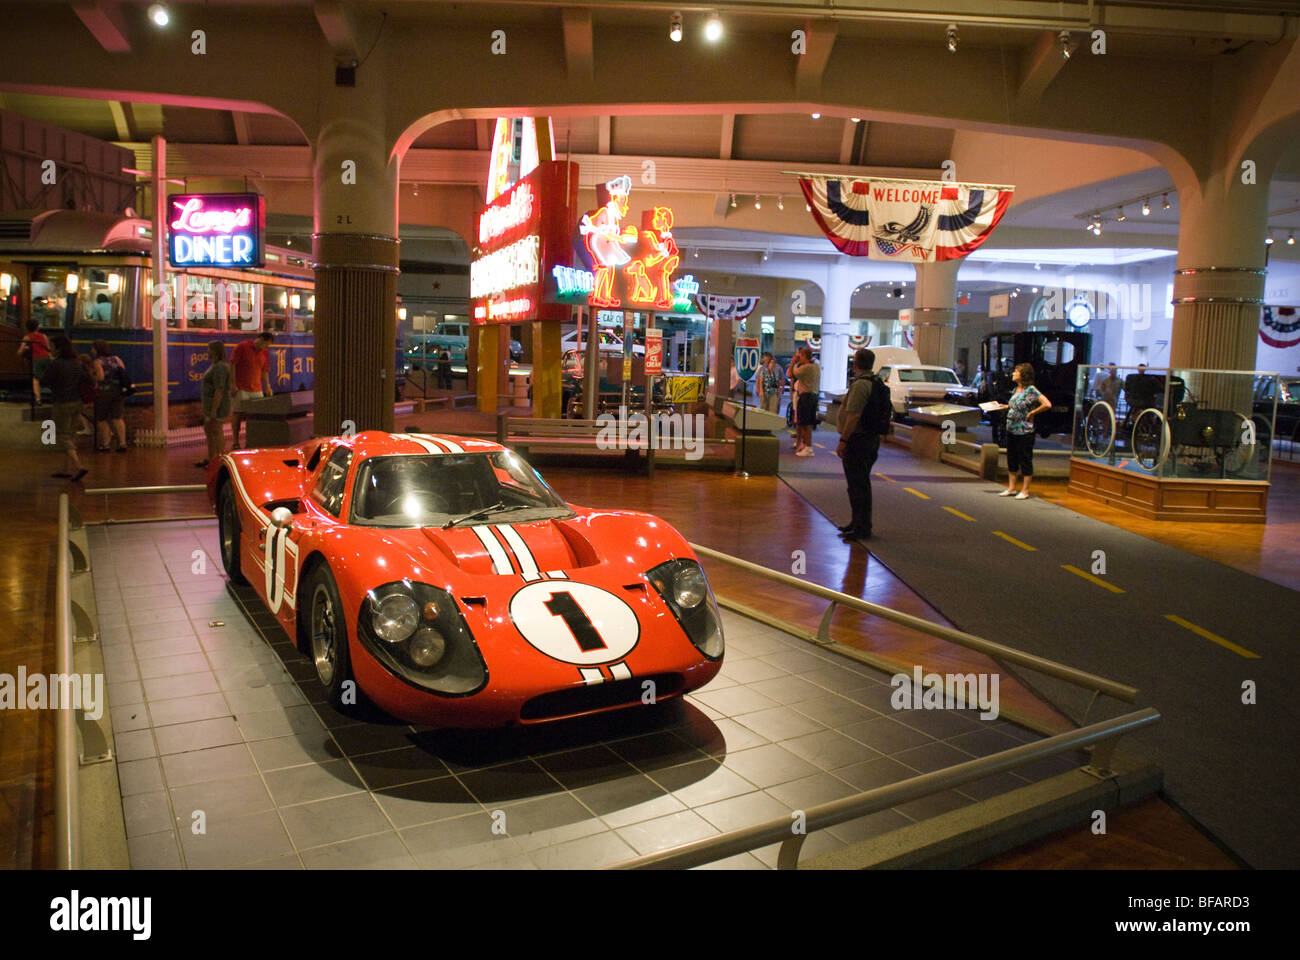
1091, 579
1214, 637
959, 514
1010, 539
883, 477
916, 493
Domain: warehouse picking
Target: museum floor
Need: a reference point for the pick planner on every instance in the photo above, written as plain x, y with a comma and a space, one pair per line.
767, 525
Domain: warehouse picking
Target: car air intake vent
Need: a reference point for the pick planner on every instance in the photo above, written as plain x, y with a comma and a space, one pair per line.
592, 698
16, 230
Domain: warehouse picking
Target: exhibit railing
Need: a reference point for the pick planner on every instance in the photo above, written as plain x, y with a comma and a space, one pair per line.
1101, 736
107, 492
67, 793
1088, 681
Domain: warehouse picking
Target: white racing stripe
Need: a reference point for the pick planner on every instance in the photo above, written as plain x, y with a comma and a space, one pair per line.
527, 565
620, 671
428, 447
451, 445
500, 562
591, 675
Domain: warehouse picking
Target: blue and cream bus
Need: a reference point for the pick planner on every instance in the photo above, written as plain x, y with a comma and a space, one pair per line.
89, 275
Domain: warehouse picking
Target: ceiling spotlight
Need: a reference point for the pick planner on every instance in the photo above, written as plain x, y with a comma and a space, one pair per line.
1034, 289
1096, 228
816, 116
675, 27
1146, 208
780, 203
758, 203
856, 119
713, 28
764, 257
1119, 217
733, 201
1064, 37
415, 189
1290, 239
697, 253
807, 207
951, 36
1164, 202
1269, 239
158, 14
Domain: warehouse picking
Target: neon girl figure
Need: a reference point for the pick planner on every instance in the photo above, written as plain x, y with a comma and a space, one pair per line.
605, 236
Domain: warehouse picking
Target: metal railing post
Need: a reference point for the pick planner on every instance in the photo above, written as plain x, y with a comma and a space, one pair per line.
67, 825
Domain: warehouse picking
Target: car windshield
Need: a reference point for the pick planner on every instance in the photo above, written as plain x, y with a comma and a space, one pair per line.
919, 375
1290, 391
436, 489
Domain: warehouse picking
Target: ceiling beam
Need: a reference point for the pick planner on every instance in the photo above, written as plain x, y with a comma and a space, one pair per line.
240, 120
338, 27
103, 19
810, 66
1039, 66
484, 131
604, 133
728, 136
579, 47
121, 122
846, 142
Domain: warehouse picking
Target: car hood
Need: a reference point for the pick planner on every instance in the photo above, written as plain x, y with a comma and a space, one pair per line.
620, 543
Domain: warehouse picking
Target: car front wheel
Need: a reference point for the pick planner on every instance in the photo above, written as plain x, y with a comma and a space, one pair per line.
328, 637
229, 533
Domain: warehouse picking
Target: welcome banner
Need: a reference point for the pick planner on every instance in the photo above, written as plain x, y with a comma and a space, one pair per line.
915, 221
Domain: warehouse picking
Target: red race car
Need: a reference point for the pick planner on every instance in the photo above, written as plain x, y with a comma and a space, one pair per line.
445, 578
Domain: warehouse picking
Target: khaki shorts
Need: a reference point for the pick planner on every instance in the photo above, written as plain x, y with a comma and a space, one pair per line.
65, 424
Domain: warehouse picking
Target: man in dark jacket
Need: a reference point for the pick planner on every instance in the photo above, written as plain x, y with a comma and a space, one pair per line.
65, 376
859, 444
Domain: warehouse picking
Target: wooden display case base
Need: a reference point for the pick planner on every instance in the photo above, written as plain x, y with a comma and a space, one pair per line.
1156, 498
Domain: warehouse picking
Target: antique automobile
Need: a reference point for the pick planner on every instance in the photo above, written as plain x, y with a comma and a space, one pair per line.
443, 578
1055, 356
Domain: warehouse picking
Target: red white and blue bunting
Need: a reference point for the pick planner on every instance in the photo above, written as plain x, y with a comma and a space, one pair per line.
913, 221
726, 308
1280, 327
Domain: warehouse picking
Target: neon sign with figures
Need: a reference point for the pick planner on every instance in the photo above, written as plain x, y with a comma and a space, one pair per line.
628, 265
216, 229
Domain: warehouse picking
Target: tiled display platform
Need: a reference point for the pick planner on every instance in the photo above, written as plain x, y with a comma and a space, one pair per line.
225, 726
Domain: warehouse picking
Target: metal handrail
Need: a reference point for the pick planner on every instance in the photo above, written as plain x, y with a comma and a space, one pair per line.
1081, 678
67, 817
781, 829
175, 488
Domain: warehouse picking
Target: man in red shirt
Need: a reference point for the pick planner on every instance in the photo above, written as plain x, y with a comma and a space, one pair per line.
252, 375
36, 348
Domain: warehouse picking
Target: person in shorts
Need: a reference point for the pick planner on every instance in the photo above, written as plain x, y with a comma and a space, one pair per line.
110, 414
216, 393
808, 380
66, 376
36, 348
252, 375
1024, 404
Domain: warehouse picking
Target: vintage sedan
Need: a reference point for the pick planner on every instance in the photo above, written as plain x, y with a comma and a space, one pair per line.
443, 578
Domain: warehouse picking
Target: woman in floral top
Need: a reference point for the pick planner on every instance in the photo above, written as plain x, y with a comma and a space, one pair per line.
1025, 402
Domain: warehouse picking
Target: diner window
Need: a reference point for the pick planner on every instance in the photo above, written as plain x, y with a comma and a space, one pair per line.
11, 296
276, 307
50, 295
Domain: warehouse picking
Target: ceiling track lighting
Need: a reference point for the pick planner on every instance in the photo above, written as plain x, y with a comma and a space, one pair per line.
1164, 202
675, 27
780, 203
158, 14
733, 201
758, 203
1146, 208
950, 36
1119, 216
1290, 239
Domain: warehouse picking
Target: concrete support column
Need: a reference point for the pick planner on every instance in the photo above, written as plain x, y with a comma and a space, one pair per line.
783, 325
355, 254
835, 326
1219, 283
934, 316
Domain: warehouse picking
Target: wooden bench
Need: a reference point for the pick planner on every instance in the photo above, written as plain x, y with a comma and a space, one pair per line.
524, 434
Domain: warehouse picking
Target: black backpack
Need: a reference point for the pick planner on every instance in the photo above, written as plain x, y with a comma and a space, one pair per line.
878, 415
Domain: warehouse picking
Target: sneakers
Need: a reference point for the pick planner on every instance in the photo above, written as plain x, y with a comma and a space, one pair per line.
1007, 493
806, 452
1022, 495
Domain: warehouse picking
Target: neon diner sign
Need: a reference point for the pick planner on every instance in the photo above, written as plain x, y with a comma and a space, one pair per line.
216, 230
499, 219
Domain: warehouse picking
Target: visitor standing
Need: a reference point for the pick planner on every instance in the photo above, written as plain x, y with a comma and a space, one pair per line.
1025, 402
252, 375
110, 413
864, 419
769, 384
1107, 385
809, 380
36, 349
444, 369
66, 376
217, 388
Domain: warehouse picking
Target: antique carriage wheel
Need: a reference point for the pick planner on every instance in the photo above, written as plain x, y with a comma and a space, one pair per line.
1250, 444
1099, 429
1150, 439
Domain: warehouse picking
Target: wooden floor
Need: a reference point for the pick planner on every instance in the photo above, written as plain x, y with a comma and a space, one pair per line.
761, 520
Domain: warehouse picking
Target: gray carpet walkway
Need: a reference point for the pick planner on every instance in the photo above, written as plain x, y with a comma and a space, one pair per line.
1232, 765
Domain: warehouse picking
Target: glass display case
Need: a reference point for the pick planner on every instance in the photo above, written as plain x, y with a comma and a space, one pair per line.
1176, 424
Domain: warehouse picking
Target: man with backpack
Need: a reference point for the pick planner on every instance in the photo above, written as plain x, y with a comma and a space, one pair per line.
865, 416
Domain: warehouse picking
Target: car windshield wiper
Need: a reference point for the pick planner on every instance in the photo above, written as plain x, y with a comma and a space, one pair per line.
499, 507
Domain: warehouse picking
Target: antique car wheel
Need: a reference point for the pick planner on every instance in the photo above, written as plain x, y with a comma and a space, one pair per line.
1150, 439
1252, 444
328, 634
228, 532
1099, 429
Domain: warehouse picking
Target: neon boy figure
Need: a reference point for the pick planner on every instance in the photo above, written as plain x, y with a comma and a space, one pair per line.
662, 258
605, 236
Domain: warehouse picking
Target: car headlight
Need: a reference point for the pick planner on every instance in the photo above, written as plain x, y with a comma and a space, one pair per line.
395, 617
416, 632
682, 585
